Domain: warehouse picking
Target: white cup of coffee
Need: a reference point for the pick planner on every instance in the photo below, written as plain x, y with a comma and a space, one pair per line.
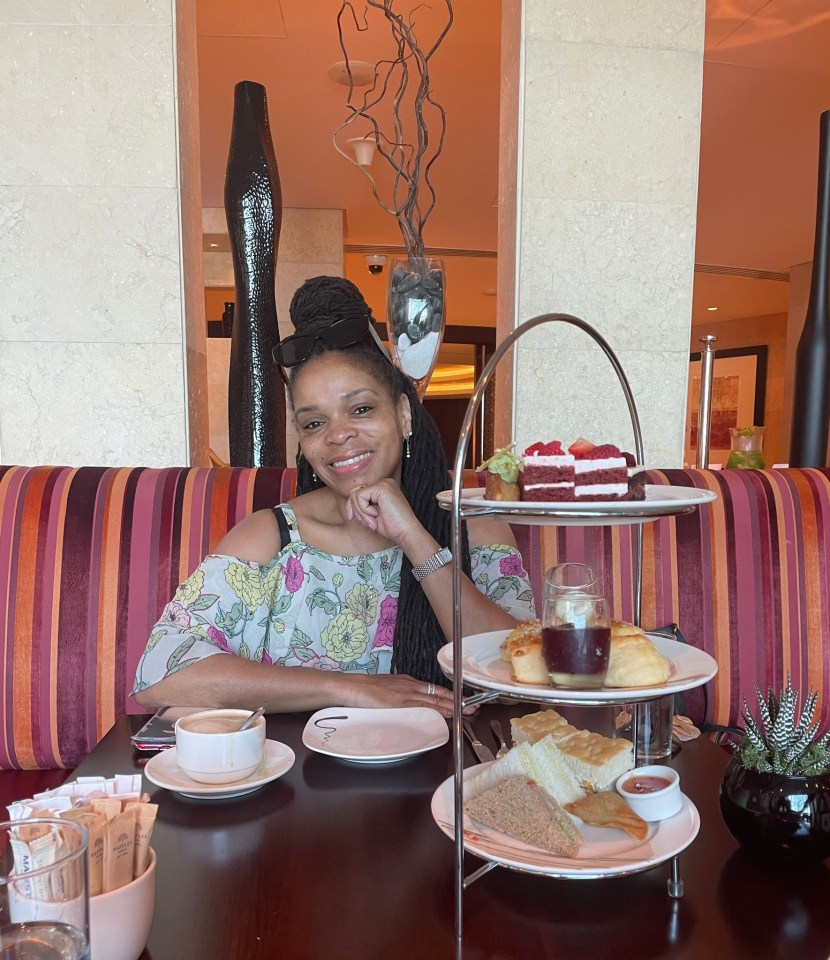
210, 747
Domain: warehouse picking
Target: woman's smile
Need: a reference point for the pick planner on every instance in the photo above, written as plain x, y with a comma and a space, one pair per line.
351, 464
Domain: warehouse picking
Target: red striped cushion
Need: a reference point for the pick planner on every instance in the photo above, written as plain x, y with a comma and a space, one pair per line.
746, 578
88, 558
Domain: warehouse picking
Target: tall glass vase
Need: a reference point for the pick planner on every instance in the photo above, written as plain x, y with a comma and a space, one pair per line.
253, 206
811, 390
416, 316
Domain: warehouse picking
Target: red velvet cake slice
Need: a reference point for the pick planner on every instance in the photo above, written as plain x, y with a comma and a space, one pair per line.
548, 474
601, 473
636, 478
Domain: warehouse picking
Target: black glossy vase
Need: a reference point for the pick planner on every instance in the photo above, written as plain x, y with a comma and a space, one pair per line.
774, 816
811, 396
253, 206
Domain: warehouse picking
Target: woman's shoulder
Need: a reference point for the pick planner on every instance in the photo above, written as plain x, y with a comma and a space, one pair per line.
255, 538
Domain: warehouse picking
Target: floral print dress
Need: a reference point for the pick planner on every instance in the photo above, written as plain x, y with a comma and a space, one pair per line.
305, 608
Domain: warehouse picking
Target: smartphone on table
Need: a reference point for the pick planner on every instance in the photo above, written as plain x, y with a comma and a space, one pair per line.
158, 733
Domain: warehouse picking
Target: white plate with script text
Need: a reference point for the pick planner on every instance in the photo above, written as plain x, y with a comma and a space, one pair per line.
368, 735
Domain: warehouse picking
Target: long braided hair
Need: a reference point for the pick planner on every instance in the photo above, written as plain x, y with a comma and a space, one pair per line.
418, 637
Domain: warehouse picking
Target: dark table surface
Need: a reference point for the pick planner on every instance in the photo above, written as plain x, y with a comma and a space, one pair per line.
336, 860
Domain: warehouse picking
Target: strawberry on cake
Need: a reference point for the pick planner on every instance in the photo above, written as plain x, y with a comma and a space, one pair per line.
585, 472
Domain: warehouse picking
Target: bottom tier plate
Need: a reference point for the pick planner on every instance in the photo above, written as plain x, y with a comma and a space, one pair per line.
604, 853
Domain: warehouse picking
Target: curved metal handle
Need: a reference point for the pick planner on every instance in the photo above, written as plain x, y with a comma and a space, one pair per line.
457, 480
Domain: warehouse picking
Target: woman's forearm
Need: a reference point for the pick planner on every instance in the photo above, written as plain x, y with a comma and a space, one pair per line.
225, 680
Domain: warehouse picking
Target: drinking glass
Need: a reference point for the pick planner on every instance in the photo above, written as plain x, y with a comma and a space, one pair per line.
44, 904
568, 578
576, 639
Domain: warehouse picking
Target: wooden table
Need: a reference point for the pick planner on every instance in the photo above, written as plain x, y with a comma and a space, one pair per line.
341, 861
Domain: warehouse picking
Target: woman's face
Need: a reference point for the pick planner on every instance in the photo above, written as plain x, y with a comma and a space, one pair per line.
350, 430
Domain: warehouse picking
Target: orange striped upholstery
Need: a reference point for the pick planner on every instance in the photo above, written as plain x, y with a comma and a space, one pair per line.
746, 579
88, 558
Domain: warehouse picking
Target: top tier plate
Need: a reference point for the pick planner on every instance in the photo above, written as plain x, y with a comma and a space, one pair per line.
660, 501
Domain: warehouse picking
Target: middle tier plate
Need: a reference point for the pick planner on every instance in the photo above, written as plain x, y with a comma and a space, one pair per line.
483, 667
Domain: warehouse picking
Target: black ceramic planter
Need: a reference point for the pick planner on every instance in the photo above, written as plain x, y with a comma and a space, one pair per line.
773, 815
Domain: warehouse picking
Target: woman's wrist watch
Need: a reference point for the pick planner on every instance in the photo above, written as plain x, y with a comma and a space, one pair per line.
431, 564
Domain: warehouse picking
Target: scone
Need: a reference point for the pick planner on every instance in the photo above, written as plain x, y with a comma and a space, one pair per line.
633, 660
522, 649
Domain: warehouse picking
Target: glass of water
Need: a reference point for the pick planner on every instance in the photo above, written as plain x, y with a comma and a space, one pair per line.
44, 903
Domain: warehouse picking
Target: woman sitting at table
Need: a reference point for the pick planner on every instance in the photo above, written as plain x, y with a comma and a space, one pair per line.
352, 577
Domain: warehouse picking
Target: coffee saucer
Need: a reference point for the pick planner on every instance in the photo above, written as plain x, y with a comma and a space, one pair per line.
163, 770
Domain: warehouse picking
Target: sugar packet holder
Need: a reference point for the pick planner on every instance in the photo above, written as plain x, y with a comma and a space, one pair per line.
119, 820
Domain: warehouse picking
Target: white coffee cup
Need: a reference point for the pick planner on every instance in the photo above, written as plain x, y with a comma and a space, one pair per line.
210, 747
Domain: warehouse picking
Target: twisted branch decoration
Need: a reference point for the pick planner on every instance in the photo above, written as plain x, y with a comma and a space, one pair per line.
411, 158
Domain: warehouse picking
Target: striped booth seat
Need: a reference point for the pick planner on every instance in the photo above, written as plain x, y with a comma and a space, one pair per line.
745, 578
88, 558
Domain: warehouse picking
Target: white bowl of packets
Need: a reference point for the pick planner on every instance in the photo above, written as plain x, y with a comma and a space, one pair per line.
121, 863
652, 792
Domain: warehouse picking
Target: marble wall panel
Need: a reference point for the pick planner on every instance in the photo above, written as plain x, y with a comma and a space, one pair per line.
613, 123
311, 236
615, 265
85, 263
606, 206
657, 24
88, 105
87, 11
92, 403
562, 395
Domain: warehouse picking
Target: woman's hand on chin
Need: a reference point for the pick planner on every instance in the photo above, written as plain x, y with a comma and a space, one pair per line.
382, 508
398, 690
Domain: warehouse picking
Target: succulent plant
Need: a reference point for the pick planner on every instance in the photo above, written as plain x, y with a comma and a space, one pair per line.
784, 740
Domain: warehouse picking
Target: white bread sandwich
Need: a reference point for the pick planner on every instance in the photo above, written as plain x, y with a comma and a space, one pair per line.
541, 762
522, 649
518, 807
533, 726
594, 760
633, 660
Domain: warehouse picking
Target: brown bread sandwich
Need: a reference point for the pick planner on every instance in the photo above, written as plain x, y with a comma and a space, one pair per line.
521, 809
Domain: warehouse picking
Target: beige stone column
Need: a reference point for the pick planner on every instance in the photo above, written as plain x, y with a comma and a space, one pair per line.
93, 219
598, 205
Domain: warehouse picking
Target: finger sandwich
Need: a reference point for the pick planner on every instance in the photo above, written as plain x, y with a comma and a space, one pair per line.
593, 759
541, 762
520, 808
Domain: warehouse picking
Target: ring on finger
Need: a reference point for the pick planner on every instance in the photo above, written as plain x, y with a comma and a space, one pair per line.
430, 689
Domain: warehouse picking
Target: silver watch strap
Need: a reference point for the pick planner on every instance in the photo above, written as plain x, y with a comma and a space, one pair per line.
439, 559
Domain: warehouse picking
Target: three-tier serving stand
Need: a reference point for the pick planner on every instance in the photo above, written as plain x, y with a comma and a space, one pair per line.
540, 513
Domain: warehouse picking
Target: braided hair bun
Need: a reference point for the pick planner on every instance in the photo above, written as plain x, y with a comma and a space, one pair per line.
418, 637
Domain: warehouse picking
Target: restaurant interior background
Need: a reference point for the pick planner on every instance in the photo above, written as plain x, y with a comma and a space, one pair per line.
766, 80
585, 130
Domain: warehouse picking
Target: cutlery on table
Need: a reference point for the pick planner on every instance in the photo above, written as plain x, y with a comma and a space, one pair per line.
495, 726
484, 753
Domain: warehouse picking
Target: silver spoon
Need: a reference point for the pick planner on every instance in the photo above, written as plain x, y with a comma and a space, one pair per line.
495, 726
250, 721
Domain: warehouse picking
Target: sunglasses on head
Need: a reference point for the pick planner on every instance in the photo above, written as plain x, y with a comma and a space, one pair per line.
297, 349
